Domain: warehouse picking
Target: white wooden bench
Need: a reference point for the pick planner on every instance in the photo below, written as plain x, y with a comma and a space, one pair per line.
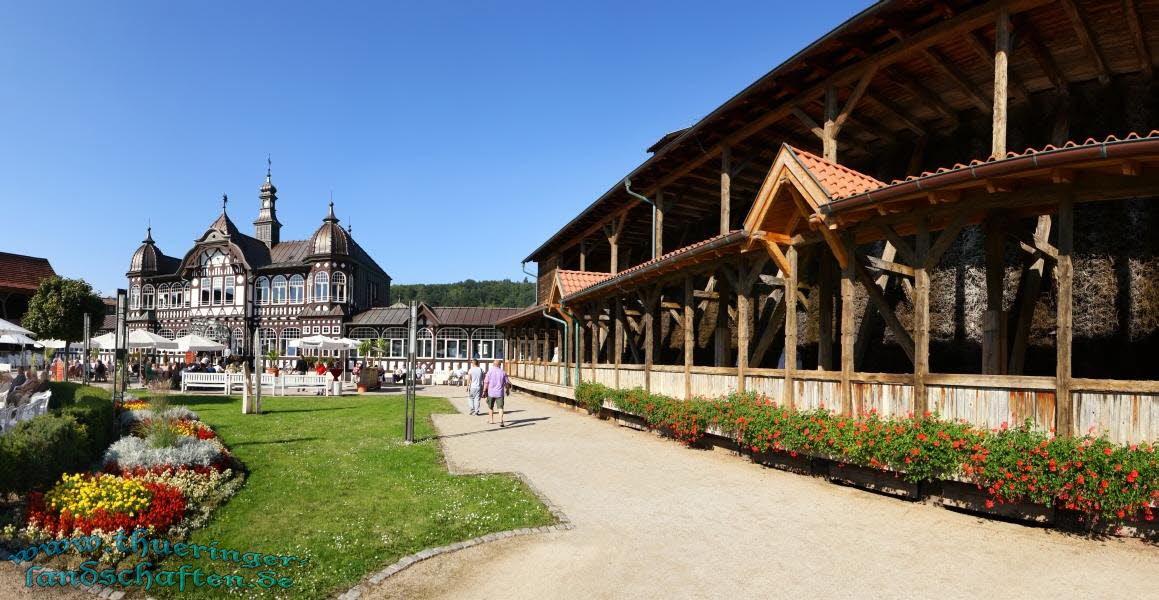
37, 405
307, 382
205, 381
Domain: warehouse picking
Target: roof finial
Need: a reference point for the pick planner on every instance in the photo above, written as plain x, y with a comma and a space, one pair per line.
350, 226
224, 202
269, 167
148, 232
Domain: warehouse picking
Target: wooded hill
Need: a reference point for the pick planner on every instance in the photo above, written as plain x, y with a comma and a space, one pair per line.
505, 293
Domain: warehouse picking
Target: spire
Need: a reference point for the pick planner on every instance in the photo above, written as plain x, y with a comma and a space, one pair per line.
266, 226
224, 202
148, 235
330, 218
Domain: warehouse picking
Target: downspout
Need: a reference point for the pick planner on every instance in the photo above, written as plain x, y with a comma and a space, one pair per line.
566, 333
576, 339
628, 188
534, 278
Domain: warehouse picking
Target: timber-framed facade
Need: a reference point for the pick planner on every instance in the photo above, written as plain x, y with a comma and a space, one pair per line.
853, 230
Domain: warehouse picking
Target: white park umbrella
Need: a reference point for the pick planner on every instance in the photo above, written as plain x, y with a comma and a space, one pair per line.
53, 343
321, 342
17, 339
9, 327
138, 338
197, 343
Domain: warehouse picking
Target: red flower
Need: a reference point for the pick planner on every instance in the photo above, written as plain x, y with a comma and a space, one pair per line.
1108, 451
989, 504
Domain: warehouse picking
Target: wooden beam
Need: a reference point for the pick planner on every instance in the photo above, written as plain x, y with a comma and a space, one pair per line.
994, 318
808, 122
1001, 58
946, 238
743, 323
725, 188
847, 340
877, 296
790, 299
892, 267
1082, 30
898, 113
1131, 12
866, 332
825, 313
1034, 243
689, 328
979, 45
921, 323
722, 341
903, 248
1064, 275
936, 60
618, 322
854, 98
1041, 54
658, 225
908, 83
1028, 290
829, 131
777, 255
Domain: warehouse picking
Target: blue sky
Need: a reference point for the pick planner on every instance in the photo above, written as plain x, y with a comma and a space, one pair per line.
456, 135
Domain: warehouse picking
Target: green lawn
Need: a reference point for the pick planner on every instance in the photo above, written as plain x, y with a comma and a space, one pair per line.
331, 480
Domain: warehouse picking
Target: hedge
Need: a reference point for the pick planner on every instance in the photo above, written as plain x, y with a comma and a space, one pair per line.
1087, 474
73, 437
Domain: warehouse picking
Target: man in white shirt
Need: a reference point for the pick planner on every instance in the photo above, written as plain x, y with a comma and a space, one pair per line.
474, 386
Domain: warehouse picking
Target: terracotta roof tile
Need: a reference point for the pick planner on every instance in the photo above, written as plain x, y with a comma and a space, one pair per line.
21, 272
571, 282
837, 181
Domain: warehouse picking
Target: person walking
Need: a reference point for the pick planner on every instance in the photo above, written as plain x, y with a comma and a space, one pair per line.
498, 385
474, 386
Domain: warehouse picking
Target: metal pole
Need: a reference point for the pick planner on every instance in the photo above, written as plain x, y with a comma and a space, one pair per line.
119, 354
84, 362
410, 378
258, 370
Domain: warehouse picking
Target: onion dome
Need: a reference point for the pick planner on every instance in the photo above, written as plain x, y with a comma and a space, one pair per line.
330, 237
146, 258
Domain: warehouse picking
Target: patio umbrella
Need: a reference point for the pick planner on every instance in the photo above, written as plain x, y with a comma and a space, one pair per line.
138, 338
197, 343
17, 339
9, 327
107, 341
321, 342
53, 343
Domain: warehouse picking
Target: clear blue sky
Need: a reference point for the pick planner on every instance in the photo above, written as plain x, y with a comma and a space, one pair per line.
456, 135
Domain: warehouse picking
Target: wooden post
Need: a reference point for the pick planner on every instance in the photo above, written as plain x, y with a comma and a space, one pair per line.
848, 276
597, 309
578, 331
649, 337
743, 321
1029, 289
619, 335
689, 328
559, 344
583, 255
829, 132
1064, 275
535, 347
1001, 57
993, 340
921, 322
658, 250
825, 315
722, 339
725, 188
612, 233
790, 325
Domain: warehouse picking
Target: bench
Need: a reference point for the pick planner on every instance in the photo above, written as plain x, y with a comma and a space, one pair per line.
37, 405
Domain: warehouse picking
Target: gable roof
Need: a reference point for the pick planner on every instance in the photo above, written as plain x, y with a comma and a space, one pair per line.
21, 272
837, 181
571, 282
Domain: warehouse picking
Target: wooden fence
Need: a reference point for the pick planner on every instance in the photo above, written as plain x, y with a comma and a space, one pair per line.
1124, 411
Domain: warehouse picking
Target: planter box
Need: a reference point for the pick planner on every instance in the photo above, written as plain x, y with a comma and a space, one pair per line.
800, 464
630, 421
968, 497
883, 482
368, 379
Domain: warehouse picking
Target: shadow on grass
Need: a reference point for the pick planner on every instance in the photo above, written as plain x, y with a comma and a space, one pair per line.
266, 442
305, 410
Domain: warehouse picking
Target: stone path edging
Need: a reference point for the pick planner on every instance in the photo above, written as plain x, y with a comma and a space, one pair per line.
563, 524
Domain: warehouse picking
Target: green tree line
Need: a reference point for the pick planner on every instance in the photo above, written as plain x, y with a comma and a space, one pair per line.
505, 293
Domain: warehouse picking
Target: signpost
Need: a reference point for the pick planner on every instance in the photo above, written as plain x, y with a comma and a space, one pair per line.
410, 372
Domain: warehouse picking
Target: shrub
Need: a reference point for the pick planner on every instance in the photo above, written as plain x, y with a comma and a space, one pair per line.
96, 415
65, 394
591, 395
133, 452
37, 451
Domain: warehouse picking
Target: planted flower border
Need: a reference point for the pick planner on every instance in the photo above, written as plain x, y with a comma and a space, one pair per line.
1101, 481
168, 491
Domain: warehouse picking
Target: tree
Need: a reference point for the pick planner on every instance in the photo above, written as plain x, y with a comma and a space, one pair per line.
57, 309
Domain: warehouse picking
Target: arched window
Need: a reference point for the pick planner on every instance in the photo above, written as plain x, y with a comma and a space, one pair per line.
425, 343
268, 339
289, 333
262, 291
321, 287
363, 333
279, 290
163, 296
188, 295
487, 344
148, 294
237, 341
181, 333
135, 298
338, 287
451, 342
297, 290
167, 334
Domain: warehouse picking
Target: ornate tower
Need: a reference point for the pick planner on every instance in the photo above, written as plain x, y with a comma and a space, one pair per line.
266, 226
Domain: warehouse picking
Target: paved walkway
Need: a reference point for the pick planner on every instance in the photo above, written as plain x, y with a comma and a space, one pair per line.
654, 519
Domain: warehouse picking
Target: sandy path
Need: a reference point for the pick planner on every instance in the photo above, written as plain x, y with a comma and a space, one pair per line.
653, 519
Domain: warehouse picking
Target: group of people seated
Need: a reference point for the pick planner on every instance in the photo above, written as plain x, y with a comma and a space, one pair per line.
15, 391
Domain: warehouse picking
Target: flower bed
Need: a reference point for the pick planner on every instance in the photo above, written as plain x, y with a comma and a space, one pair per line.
167, 484
1101, 480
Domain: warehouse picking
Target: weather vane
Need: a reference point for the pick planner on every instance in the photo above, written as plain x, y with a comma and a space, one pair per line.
224, 201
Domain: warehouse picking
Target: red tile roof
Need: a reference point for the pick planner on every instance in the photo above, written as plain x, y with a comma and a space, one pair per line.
837, 181
726, 239
20, 272
571, 282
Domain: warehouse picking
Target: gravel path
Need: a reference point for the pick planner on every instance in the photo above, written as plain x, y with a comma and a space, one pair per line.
654, 519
